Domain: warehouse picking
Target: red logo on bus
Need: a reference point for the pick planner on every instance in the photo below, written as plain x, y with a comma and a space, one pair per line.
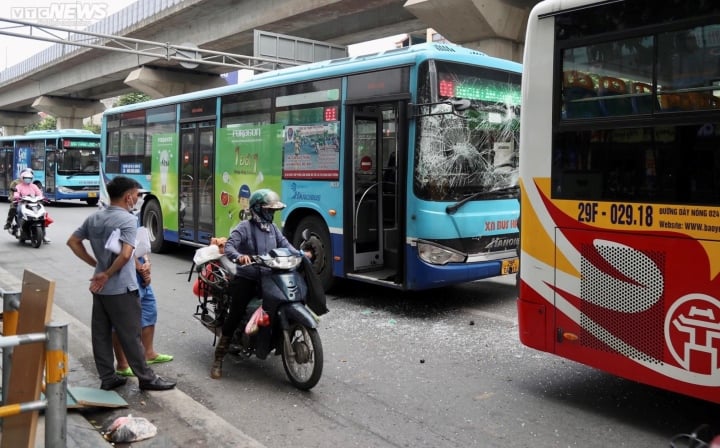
692, 329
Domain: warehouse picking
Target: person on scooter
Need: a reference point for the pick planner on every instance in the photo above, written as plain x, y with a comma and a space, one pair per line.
255, 236
25, 188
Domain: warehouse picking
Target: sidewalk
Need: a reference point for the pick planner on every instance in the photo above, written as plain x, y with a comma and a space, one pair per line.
180, 420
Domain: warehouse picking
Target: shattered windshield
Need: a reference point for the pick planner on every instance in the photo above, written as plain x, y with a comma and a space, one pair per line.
461, 153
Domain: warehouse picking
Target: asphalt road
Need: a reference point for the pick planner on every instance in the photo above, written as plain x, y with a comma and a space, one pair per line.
440, 368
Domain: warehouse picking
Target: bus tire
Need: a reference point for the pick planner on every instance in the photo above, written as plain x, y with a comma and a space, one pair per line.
92, 201
152, 219
319, 244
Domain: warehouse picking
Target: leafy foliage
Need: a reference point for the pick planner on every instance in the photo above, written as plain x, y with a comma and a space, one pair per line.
132, 98
92, 127
45, 124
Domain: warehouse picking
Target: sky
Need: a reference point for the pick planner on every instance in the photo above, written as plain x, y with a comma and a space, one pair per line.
78, 14
75, 14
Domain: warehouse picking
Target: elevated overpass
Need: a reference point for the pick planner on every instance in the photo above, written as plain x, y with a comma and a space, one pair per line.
68, 81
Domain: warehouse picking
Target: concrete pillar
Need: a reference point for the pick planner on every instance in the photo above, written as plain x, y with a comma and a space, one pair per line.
158, 83
14, 123
498, 47
492, 26
69, 112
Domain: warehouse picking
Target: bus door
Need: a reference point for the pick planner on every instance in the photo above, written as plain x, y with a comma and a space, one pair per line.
50, 172
6, 166
195, 210
375, 228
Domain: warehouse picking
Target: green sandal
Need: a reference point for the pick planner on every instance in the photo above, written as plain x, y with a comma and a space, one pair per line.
160, 358
125, 372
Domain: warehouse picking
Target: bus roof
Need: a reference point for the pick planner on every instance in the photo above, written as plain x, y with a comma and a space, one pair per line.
337, 67
51, 133
61, 132
553, 7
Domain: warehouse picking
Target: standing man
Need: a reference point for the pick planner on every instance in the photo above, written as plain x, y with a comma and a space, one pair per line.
116, 302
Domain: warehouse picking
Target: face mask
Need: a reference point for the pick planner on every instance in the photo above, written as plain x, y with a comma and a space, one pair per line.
27, 181
131, 206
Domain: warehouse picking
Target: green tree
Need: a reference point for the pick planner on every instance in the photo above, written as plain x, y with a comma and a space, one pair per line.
132, 98
92, 127
46, 123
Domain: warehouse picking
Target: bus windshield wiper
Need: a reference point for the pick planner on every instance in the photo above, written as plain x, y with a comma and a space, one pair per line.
508, 192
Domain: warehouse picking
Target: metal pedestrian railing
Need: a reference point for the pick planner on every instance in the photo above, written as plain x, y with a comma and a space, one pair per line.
55, 339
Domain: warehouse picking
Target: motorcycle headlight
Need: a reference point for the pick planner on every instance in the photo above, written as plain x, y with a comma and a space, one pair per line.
439, 255
283, 262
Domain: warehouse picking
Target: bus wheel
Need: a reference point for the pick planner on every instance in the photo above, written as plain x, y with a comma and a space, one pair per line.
153, 221
92, 201
319, 244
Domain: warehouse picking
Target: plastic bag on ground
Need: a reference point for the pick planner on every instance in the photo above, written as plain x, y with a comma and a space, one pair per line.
130, 429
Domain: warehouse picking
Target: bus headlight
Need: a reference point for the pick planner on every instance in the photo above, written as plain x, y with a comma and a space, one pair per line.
65, 190
439, 255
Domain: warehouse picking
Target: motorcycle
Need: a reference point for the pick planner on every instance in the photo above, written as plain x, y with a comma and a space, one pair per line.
277, 319
33, 222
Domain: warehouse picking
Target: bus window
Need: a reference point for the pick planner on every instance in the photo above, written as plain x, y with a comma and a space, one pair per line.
689, 69
601, 79
247, 108
456, 155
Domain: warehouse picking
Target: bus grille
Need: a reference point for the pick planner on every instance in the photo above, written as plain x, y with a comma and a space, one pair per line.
612, 315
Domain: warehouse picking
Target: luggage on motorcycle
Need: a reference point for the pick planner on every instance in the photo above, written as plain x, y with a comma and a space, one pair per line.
316, 300
213, 277
206, 254
214, 269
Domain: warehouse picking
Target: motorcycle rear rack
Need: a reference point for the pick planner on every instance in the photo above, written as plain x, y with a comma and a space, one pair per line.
207, 320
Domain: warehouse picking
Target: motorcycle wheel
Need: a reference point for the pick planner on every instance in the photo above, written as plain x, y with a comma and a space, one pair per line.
304, 367
36, 236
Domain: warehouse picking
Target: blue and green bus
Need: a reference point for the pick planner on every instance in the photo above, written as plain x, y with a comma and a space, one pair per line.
402, 164
65, 163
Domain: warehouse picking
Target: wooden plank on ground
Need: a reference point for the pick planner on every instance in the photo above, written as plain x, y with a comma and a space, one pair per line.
28, 360
93, 397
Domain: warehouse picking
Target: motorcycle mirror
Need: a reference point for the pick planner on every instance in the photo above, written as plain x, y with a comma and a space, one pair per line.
306, 234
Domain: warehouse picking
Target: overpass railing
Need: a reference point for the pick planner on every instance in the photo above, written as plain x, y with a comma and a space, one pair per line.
119, 23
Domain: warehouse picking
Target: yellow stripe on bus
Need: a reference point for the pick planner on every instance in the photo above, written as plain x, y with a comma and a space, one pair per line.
535, 239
